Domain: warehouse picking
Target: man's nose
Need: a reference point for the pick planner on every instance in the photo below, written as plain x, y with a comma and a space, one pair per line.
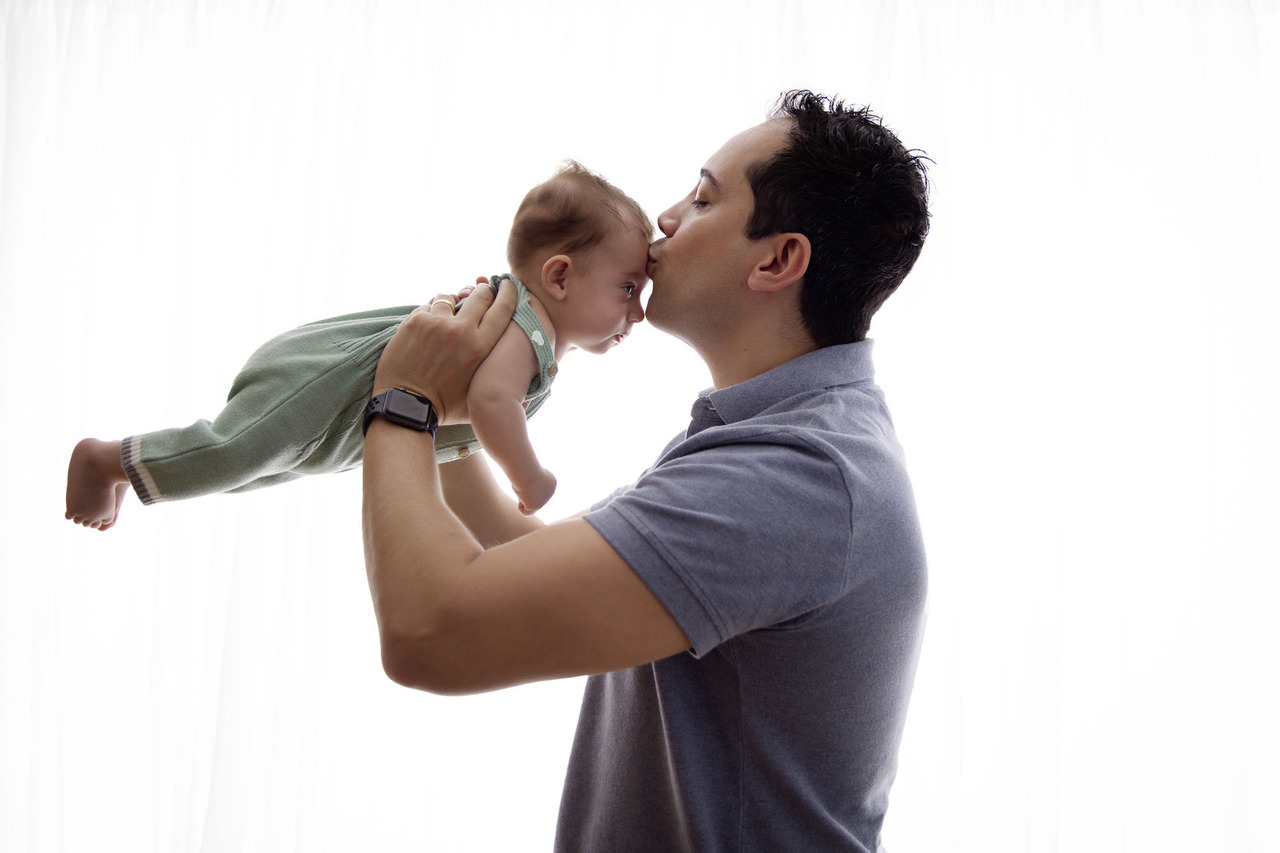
667, 222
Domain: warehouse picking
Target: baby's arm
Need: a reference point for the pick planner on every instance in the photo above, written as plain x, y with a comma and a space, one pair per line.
495, 405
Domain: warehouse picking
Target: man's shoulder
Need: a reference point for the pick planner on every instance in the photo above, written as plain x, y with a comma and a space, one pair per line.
840, 422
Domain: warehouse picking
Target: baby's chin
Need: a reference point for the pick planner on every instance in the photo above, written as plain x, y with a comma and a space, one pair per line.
601, 347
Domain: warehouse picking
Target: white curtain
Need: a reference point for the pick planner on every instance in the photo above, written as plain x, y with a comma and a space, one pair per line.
1082, 368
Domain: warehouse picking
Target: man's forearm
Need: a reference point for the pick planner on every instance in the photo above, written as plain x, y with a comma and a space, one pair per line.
415, 547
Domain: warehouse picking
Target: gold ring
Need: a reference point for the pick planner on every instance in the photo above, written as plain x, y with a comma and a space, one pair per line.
439, 299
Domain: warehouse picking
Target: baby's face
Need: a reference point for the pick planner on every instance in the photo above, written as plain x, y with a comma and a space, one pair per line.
605, 299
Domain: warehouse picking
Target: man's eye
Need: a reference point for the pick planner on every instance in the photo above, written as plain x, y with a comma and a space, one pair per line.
698, 204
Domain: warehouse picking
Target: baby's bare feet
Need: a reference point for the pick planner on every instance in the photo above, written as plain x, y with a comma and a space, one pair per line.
96, 484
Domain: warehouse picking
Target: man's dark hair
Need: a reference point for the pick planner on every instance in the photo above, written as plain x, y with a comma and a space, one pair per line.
844, 181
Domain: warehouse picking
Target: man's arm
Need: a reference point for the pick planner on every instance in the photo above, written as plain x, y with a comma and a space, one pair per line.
453, 617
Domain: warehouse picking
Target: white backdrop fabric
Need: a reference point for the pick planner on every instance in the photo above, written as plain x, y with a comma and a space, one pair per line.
1082, 368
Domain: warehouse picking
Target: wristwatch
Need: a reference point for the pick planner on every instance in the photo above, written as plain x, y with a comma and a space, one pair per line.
404, 408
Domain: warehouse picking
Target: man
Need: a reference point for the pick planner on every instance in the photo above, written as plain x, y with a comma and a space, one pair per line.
750, 609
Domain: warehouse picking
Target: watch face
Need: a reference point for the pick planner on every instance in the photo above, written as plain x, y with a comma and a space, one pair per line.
407, 407
404, 408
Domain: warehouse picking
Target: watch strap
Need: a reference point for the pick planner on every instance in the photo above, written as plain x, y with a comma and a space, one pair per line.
403, 408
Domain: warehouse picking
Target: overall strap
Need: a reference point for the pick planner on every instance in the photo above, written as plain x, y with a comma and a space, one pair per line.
529, 323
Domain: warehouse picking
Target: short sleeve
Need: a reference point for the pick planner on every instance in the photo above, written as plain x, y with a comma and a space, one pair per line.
736, 536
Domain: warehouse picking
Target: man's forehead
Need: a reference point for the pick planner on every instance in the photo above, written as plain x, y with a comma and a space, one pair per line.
750, 146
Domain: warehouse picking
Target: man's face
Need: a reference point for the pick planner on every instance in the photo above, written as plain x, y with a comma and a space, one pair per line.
699, 269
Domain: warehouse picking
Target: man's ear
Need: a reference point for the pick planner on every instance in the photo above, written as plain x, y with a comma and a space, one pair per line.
784, 263
555, 276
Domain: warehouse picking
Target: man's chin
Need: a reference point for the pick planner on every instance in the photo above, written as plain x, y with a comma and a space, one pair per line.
654, 317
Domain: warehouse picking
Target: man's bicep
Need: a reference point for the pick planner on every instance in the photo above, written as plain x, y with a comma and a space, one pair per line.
748, 535
558, 602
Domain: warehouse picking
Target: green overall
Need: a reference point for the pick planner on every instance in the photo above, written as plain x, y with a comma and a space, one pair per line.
296, 408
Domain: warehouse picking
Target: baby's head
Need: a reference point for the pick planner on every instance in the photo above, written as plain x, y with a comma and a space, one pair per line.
581, 246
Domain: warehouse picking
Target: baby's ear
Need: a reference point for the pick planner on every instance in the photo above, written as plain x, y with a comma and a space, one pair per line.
555, 276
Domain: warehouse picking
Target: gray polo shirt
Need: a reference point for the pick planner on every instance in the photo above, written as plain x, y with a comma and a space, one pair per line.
780, 532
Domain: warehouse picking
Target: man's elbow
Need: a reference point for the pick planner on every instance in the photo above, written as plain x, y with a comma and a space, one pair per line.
401, 666
423, 666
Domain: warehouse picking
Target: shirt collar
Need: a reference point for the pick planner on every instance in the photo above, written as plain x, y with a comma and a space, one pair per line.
826, 367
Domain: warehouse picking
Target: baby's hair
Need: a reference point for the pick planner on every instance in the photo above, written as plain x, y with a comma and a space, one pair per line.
571, 211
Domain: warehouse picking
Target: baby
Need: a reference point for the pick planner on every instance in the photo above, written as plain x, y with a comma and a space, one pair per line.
578, 250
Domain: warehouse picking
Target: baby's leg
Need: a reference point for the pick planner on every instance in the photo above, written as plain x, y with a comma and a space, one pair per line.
96, 484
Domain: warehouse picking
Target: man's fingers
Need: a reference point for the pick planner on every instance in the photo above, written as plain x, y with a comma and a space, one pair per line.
443, 303
477, 301
490, 314
495, 320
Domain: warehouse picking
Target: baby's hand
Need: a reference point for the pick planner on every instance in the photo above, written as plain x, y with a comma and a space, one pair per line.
534, 494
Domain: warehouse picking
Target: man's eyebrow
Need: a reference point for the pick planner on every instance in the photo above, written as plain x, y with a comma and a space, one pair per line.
710, 178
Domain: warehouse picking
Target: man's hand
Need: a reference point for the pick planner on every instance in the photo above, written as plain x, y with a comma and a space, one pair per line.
435, 352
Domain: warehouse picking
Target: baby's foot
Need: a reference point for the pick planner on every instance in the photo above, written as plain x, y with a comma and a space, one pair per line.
96, 484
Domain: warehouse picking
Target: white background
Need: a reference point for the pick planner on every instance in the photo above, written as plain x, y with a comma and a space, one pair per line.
1082, 369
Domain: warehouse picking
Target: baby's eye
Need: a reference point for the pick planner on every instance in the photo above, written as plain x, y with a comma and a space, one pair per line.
630, 288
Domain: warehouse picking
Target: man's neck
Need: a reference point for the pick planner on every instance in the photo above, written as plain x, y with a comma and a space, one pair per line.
748, 356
